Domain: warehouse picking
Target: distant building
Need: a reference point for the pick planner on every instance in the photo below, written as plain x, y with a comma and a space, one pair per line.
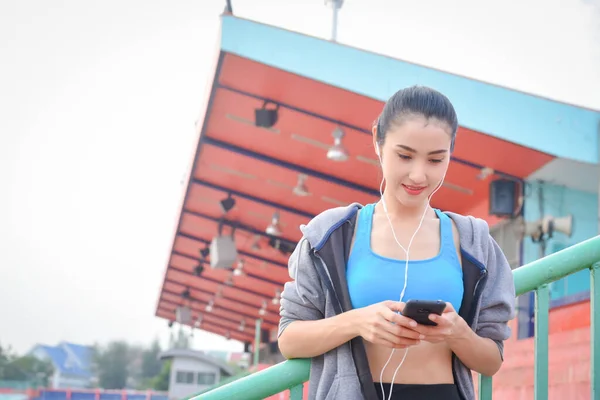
193, 371
72, 364
241, 359
218, 354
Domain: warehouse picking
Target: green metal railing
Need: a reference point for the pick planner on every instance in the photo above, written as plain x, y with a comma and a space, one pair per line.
291, 374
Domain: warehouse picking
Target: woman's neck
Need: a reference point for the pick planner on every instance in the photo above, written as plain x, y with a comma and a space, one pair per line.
397, 210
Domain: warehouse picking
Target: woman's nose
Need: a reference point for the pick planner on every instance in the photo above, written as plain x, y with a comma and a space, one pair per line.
417, 175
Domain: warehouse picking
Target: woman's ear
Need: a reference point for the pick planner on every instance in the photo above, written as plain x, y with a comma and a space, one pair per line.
375, 145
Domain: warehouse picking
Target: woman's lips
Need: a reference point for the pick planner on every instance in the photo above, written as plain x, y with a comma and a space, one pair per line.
414, 190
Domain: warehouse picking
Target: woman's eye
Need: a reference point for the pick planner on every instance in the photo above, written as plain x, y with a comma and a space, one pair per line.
404, 157
436, 161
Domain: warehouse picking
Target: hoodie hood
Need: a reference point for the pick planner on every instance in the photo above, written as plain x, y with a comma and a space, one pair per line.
318, 230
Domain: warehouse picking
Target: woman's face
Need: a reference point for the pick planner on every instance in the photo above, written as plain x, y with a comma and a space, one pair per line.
415, 158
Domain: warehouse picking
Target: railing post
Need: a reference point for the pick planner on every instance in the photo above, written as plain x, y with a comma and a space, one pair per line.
296, 392
540, 366
257, 341
595, 330
485, 387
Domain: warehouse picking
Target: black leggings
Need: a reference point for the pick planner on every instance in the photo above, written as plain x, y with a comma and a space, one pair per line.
447, 391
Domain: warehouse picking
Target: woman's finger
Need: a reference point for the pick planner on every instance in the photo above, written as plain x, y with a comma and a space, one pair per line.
397, 341
398, 319
396, 330
428, 330
396, 306
440, 320
402, 331
395, 333
390, 345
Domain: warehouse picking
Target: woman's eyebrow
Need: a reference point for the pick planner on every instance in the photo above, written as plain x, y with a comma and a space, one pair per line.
441, 151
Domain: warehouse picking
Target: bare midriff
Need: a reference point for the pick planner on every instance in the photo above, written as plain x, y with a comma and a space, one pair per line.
426, 363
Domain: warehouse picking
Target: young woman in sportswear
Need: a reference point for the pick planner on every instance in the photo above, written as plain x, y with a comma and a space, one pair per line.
356, 266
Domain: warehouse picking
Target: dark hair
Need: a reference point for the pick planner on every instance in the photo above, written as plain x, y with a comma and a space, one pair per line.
416, 101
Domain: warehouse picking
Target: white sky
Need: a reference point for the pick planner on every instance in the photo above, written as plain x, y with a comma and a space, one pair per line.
98, 101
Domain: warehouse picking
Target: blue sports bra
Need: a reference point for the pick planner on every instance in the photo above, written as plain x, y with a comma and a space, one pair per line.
373, 278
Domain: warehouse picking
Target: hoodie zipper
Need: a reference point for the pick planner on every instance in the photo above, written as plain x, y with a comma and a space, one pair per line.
477, 295
330, 287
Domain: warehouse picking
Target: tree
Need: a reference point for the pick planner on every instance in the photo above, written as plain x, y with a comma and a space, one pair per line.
32, 369
4, 359
112, 365
119, 365
26, 368
151, 365
161, 381
182, 341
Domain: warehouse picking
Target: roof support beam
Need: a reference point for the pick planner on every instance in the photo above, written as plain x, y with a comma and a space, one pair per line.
209, 327
197, 310
183, 271
171, 292
166, 304
290, 166
242, 252
253, 198
293, 108
248, 274
238, 225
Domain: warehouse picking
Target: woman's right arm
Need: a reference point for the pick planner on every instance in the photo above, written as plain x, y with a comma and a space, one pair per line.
306, 339
378, 324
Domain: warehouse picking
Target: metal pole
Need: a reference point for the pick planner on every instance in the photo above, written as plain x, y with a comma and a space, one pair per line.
257, 341
335, 7
334, 21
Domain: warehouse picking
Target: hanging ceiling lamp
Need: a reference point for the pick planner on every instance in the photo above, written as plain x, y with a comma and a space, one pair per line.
337, 152
301, 189
273, 228
227, 203
239, 270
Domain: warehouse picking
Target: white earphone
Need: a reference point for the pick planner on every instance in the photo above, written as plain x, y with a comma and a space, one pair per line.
406, 251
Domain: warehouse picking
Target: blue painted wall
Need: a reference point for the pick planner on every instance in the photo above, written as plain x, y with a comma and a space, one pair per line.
560, 201
568, 131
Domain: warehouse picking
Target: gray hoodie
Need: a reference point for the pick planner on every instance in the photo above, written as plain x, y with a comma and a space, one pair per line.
319, 290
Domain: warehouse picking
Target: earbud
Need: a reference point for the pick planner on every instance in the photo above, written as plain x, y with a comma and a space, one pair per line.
378, 155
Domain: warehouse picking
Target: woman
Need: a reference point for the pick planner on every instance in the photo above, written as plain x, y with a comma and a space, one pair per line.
351, 268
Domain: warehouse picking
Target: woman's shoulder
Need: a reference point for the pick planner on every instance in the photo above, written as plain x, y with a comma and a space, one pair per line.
320, 227
473, 234
471, 229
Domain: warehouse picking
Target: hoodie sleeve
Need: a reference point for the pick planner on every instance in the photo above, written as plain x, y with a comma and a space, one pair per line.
302, 298
498, 297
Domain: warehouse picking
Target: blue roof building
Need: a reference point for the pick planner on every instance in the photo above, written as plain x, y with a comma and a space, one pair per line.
72, 364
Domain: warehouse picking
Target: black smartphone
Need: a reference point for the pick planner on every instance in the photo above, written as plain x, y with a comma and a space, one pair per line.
419, 310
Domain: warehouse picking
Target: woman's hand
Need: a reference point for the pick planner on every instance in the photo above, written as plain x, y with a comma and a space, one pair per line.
450, 326
381, 324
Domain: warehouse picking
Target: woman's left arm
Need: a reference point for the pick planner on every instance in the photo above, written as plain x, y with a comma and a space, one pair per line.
481, 350
477, 353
